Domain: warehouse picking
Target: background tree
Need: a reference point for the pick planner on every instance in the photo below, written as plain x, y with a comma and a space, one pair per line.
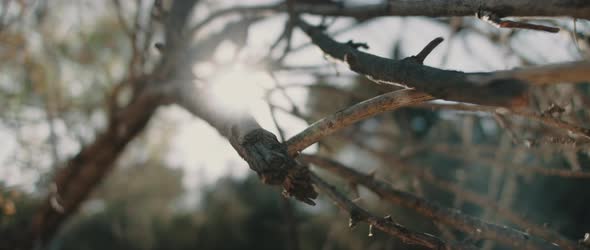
88, 86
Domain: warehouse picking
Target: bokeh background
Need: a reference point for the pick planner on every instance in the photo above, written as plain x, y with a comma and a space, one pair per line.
180, 185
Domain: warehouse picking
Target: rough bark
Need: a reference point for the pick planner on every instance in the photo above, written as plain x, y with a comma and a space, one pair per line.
387, 224
471, 225
82, 173
444, 8
348, 116
503, 88
260, 148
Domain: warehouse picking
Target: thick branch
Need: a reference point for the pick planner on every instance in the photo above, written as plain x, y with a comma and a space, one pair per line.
442, 8
471, 225
260, 148
74, 182
443, 84
81, 174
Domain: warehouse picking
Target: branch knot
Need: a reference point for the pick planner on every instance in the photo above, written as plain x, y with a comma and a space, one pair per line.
270, 160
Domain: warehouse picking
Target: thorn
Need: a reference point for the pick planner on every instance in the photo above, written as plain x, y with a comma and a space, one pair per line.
356, 200
357, 45
160, 47
388, 218
309, 201
372, 173
420, 57
586, 240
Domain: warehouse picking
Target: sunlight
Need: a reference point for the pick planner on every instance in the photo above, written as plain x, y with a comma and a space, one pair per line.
237, 87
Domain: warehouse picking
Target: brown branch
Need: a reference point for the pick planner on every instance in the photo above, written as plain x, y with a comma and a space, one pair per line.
420, 57
82, 173
570, 72
447, 8
484, 202
519, 169
544, 119
386, 225
348, 116
264, 153
454, 218
495, 20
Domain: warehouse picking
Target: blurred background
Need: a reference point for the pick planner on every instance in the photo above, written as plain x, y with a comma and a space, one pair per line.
180, 185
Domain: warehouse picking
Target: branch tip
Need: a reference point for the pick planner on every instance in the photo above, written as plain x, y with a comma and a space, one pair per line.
496, 20
420, 57
356, 46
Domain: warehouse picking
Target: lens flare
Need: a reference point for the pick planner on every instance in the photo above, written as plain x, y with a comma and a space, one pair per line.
237, 87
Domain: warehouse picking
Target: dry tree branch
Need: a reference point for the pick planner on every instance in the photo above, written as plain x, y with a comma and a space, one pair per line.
542, 118
386, 225
260, 148
500, 88
493, 19
73, 183
442, 8
444, 84
519, 169
348, 116
454, 218
83, 172
570, 72
470, 196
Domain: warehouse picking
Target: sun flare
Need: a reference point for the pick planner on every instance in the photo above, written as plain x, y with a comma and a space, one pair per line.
237, 87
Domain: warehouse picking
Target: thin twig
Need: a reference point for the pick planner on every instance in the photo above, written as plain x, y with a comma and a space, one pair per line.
519, 169
470, 196
544, 119
468, 224
493, 19
386, 224
355, 113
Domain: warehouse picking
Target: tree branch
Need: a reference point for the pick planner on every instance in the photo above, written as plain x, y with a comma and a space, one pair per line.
82, 173
348, 116
444, 8
570, 72
544, 119
443, 84
472, 197
260, 148
386, 224
454, 218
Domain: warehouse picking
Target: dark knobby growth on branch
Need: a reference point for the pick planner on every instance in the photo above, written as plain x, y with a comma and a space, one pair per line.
269, 158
